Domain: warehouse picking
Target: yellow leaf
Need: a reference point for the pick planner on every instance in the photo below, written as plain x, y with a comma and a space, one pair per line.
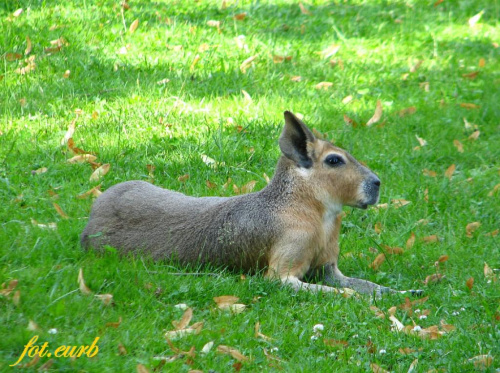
431, 238
471, 227
323, 85
377, 115
66, 74
100, 172
183, 178
69, 133
482, 62
28, 46
470, 283
449, 171
60, 210
475, 135
41, 170
469, 106
224, 301
400, 202
83, 288
133, 26
429, 173
114, 324
443, 258
472, 75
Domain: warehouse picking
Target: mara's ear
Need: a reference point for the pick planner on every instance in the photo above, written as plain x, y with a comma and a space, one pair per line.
294, 139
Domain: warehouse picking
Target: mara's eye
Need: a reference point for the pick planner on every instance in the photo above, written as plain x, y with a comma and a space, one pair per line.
334, 160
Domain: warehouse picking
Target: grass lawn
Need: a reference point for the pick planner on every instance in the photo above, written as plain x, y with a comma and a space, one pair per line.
194, 94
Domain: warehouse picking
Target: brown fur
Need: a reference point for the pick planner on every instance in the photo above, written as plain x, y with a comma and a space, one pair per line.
291, 227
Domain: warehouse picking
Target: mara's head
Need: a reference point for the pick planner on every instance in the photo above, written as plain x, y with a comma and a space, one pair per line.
334, 176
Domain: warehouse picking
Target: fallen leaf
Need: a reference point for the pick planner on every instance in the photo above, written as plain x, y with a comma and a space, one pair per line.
347, 99
183, 178
69, 133
377, 369
122, 351
494, 190
193, 329
447, 327
114, 324
458, 145
33, 326
378, 227
413, 366
303, 10
349, 121
431, 279
44, 226
466, 105
81, 282
213, 23
425, 86
393, 250
207, 347
323, 85
377, 115
210, 185
475, 19
28, 46
493, 233
258, 334
106, 299
471, 227
378, 313
421, 141
224, 301
335, 343
246, 95
18, 12
66, 74
195, 61
100, 172
397, 203
472, 75
417, 65
430, 239
268, 180
184, 321
375, 265
429, 173
40, 170
408, 111
488, 273
330, 51
248, 187
469, 283
406, 351
449, 171
443, 258
475, 135
133, 26
141, 369
296, 78
74, 149
82, 158
411, 241
481, 362
95, 191
482, 62
246, 64
240, 16
60, 210
233, 352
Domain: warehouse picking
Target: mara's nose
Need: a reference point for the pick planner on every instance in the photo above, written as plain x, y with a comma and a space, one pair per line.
376, 182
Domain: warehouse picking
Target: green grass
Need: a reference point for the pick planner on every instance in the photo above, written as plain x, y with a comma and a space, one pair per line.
139, 122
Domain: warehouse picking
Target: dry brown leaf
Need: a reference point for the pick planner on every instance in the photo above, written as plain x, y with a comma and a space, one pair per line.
406, 351
40, 170
303, 10
28, 46
481, 362
74, 149
449, 171
488, 273
213, 23
443, 258
184, 321
183, 178
60, 210
350, 121
100, 172
469, 283
33, 326
114, 324
411, 241
425, 86
429, 173
397, 203
377, 115
458, 145
482, 62
248, 187
122, 350
81, 282
13, 56
377, 369
5, 291
296, 78
378, 313
224, 301
82, 158
475, 135
133, 26
447, 327
69, 133
378, 227
431, 279
408, 111
421, 141
323, 85
473, 75
417, 65
393, 250
494, 190
240, 16
258, 334
233, 352
493, 233
95, 191
268, 180
246, 64
210, 185
375, 265
471, 227
347, 99
193, 329
141, 369
430, 239
469, 106
335, 343
106, 299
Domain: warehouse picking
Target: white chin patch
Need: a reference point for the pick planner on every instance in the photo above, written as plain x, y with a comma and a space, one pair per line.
304, 172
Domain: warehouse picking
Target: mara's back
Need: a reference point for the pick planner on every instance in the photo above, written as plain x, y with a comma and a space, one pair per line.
138, 217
